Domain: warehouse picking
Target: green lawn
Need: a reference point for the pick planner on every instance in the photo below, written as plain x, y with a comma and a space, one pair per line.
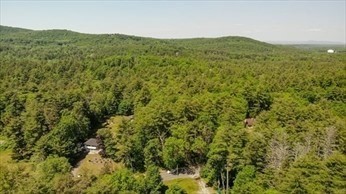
188, 184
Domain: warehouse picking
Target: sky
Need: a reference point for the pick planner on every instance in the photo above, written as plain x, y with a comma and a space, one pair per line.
270, 20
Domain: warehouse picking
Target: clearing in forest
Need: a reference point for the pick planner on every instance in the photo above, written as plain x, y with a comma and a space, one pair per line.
94, 164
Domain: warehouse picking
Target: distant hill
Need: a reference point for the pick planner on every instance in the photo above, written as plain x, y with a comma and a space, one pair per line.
229, 44
7, 29
310, 42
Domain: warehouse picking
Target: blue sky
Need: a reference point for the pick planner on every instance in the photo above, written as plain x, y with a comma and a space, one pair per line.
287, 20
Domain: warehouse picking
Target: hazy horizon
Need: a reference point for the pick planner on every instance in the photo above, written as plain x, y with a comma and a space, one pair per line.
268, 21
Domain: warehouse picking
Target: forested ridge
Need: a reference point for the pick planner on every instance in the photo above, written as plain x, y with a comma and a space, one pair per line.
189, 98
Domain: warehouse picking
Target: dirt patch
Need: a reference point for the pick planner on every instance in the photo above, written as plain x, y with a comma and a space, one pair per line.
167, 176
203, 189
94, 164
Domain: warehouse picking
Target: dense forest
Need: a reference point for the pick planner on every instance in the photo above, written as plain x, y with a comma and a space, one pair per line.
188, 98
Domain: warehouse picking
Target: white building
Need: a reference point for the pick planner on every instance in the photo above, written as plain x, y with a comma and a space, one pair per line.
92, 144
330, 51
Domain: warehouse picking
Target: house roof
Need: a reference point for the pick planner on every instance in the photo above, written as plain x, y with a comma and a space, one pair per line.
249, 122
92, 142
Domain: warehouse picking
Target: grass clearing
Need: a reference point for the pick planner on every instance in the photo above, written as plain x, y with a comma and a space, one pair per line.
94, 164
188, 184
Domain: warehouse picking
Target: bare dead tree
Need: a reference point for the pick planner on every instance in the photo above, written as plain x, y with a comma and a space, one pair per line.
222, 180
328, 143
278, 151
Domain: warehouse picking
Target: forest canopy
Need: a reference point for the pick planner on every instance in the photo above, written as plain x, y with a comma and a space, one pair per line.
189, 99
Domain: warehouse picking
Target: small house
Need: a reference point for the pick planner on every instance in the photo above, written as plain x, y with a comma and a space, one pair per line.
92, 144
330, 51
249, 122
